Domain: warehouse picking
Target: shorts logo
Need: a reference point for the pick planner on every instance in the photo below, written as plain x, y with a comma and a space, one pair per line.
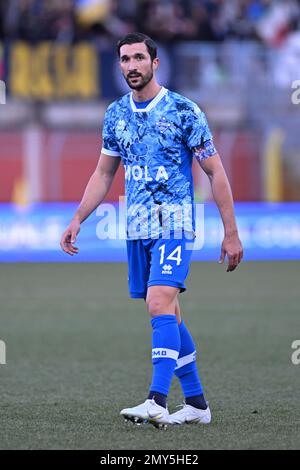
163, 125
166, 269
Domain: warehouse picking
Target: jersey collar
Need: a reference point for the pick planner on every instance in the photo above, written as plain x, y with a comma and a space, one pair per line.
152, 103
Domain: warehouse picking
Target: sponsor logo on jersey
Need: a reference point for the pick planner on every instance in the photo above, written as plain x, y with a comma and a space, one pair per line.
137, 173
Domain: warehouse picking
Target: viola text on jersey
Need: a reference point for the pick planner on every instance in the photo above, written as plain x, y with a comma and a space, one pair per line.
138, 172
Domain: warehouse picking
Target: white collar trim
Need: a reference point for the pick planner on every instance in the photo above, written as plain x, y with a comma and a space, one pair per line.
152, 103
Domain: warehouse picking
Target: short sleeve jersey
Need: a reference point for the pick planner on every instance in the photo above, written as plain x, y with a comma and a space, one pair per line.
156, 147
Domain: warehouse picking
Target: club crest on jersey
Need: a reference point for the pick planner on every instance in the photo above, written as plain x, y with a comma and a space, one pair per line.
121, 125
163, 124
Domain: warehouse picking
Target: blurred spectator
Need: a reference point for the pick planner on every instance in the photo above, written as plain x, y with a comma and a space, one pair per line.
89, 12
287, 65
36, 20
274, 26
103, 21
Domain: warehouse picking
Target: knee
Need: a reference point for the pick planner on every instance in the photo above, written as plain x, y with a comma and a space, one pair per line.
154, 305
159, 305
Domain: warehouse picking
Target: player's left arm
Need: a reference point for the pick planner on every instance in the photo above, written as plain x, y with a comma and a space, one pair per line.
231, 246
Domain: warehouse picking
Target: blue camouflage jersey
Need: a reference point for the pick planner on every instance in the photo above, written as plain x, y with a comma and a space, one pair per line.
156, 145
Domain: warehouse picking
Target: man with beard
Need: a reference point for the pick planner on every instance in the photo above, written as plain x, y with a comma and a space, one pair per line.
156, 133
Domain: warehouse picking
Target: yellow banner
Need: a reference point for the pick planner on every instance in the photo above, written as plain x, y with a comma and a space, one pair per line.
53, 71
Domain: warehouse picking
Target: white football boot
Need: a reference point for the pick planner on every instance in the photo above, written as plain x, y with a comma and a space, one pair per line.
190, 414
149, 411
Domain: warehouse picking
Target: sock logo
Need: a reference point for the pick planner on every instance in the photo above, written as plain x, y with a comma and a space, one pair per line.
163, 353
159, 352
166, 269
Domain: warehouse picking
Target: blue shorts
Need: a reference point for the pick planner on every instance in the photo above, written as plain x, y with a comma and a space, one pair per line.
160, 262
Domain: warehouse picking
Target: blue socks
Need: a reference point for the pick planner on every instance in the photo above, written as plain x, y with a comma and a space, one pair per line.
186, 370
173, 350
165, 351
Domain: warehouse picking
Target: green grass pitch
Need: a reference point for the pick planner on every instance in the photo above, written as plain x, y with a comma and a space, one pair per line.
78, 351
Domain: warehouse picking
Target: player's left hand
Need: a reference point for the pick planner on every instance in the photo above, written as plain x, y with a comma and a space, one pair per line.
232, 247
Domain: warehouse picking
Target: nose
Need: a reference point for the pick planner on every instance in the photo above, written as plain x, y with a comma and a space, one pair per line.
132, 65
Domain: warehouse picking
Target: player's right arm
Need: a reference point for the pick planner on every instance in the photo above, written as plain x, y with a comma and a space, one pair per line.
95, 191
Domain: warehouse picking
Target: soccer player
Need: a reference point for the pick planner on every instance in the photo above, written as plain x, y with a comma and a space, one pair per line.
156, 133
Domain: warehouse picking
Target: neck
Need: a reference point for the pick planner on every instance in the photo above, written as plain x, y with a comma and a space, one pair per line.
148, 92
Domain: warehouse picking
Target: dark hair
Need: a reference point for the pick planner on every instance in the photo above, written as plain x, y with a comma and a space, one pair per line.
139, 37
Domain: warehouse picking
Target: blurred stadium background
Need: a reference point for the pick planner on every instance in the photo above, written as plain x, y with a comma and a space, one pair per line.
237, 59
240, 61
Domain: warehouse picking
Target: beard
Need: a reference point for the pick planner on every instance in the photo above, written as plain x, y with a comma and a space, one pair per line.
143, 80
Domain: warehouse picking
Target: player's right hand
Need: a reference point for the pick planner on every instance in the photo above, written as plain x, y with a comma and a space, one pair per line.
69, 238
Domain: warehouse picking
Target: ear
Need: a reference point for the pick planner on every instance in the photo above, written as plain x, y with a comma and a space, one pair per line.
155, 63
